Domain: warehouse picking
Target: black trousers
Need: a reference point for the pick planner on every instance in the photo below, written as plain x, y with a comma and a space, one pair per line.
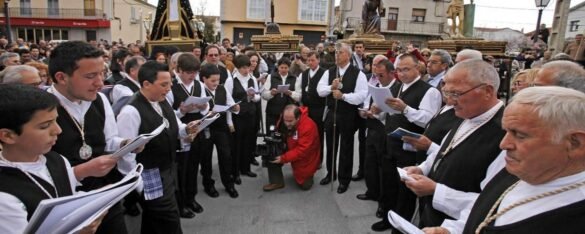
406, 199
114, 221
375, 150
187, 170
361, 144
344, 138
316, 114
161, 215
221, 140
244, 142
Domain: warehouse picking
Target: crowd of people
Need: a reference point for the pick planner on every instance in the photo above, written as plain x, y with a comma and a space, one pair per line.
473, 163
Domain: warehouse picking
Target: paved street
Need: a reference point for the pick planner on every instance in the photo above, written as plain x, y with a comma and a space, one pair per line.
288, 210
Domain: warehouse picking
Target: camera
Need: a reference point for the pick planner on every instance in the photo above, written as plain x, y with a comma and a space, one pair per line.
272, 146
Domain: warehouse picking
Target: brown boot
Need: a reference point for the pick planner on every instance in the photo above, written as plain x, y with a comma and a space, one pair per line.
270, 187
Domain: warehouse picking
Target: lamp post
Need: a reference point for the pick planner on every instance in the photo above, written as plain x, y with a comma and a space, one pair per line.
540, 4
7, 16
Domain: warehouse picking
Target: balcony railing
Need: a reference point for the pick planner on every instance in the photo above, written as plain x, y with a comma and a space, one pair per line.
400, 26
56, 13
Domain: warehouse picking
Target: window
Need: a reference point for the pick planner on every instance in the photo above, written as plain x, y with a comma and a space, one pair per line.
392, 19
574, 26
418, 15
53, 9
25, 8
313, 10
257, 9
392, 13
89, 7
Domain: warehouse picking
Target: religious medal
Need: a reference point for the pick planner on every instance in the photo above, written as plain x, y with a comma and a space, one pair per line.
85, 151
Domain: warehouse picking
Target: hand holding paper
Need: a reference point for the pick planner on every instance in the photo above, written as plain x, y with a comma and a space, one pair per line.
402, 224
380, 95
421, 185
137, 142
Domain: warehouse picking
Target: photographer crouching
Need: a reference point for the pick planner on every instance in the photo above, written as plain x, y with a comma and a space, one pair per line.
303, 149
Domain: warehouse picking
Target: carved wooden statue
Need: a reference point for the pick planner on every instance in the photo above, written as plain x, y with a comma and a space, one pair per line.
456, 13
371, 12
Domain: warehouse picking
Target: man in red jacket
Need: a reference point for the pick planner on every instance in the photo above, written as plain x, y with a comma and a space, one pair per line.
304, 148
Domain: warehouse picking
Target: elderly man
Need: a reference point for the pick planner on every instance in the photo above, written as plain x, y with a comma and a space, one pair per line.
9, 59
471, 88
437, 66
468, 54
539, 188
21, 74
345, 87
212, 57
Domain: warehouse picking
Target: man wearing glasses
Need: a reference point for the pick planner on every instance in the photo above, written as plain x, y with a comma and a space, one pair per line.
21, 74
468, 149
416, 104
437, 66
212, 57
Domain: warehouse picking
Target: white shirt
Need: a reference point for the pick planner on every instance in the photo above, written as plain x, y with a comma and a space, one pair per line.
128, 125
357, 61
296, 95
77, 110
229, 84
359, 94
445, 199
229, 101
428, 107
12, 210
435, 81
119, 91
171, 98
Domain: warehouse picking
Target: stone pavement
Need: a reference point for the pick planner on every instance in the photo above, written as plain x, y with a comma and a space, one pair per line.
288, 210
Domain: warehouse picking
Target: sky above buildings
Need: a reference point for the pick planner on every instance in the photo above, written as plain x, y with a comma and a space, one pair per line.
515, 14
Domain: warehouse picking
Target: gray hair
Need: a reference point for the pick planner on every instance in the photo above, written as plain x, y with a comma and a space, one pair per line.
468, 54
567, 74
444, 55
344, 46
7, 55
562, 109
479, 72
175, 57
13, 74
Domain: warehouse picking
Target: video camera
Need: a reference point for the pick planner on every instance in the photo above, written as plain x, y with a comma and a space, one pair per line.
273, 145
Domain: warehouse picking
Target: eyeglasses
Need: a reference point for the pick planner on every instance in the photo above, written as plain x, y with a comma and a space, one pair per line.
403, 70
212, 55
433, 62
426, 55
456, 95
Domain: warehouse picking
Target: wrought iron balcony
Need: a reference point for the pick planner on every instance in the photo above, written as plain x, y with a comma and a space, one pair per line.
399, 26
57, 13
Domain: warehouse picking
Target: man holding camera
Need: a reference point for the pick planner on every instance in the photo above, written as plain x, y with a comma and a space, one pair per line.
304, 148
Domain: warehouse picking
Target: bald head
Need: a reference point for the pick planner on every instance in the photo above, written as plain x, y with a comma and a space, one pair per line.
468, 54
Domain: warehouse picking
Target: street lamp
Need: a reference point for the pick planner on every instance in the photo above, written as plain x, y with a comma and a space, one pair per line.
8, 32
540, 4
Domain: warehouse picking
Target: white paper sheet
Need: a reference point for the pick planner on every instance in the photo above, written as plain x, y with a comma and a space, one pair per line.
380, 95
223, 108
253, 90
402, 224
282, 88
206, 121
138, 141
196, 100
71, 213
403, 174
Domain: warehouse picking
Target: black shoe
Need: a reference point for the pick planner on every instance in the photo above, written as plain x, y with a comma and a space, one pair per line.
255, 162
196, 207
249, 174
381, 226
232, 192
237, 180
342, 188
326, 180
365, 197
380, 213
211, 191
357, 177
187, 213
132, 210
